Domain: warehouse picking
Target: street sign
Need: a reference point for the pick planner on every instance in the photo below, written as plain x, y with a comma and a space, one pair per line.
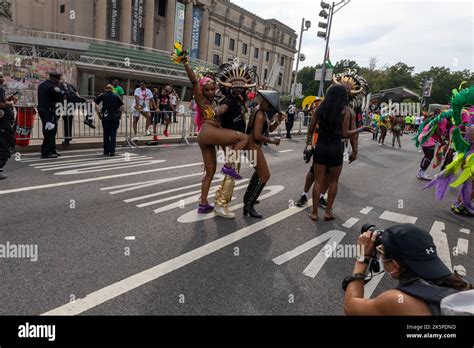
297, 91
319, 73
427, 88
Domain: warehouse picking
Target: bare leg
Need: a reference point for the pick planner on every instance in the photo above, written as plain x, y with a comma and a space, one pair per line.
209, 157
334, 174
211, 135
320, 175
135, 125
309, 181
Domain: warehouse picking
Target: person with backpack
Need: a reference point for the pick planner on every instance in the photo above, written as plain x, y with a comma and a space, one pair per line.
426, 286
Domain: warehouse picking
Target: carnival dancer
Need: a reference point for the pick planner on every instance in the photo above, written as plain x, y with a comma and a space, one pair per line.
259, 129
397, 128
334, 120
235, 80
460, 172
384, 125
211, 134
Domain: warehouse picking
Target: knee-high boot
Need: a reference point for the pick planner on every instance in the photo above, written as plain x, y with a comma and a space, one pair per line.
249, 208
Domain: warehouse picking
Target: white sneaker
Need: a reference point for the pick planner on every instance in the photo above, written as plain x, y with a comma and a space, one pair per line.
223, 212
423, 176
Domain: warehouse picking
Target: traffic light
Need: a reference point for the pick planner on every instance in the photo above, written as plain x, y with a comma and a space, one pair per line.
324, 14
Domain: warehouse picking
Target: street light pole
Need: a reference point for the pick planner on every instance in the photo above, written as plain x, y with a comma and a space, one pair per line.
303, 24
323, 72
331, 14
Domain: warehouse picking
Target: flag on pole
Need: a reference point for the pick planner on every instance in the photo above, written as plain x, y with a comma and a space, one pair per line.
328, 61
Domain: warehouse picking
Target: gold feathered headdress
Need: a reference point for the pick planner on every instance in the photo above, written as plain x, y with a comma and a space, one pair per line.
236, 75
355, 84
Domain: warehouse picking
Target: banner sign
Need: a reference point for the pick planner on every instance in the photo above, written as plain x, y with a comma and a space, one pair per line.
138, 30
196, 32
113, 19
179, 22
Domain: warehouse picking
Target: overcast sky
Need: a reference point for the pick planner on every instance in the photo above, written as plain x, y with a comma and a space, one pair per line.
419, 33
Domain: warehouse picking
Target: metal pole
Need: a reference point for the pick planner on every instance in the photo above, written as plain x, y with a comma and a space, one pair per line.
293, 91
323, 72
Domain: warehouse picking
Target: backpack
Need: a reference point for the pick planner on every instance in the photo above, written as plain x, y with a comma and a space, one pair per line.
440, 300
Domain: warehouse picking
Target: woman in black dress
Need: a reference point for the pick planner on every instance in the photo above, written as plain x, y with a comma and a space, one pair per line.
333, 119
258, 130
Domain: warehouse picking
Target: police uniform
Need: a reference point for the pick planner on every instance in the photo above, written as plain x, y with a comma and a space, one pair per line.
7, 132
111, 104
49, 95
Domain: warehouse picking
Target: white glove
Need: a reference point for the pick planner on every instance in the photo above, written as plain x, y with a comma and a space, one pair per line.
49, 126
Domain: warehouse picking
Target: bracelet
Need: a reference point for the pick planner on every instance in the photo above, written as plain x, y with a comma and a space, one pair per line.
351, 278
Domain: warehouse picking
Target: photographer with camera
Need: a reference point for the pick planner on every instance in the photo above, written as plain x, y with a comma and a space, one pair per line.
409, 255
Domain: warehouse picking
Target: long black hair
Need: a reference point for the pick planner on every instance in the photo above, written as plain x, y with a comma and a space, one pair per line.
330, 111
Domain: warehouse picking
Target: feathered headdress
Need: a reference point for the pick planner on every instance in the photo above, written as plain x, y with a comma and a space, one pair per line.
355, 84
235, 75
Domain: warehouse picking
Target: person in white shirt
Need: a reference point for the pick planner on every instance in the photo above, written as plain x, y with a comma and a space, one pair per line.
174, 99
418, 121
141, 106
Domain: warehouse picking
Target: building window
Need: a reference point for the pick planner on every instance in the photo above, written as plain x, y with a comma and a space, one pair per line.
62, 8
217, 40
232, 44
256, 53
265, 74
255, 68
267, 57
282, 63
162, 8
244, 49
280, 79
216, 59
230, 59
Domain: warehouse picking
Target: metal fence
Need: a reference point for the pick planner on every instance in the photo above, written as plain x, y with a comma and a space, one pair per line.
181, 125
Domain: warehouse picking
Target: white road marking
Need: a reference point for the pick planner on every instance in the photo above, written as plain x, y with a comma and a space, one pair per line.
285, 151
82, 181
193, 216
400, 218
366, 210
460, 269
130, 238
124, 165
462, 247
85, 162
189, 200
38, 161
441, 241
181, 188
331, 235
121, 287
186, 194
318, 262
351, 222
370, 287
96, 165
465, 230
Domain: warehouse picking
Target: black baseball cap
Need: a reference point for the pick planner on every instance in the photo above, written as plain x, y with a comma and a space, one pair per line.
55, 74
414, 247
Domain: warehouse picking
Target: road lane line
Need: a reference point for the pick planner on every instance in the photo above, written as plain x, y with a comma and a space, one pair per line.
111, 167
193, 215
189, 200
370, 287
462, 247
92, 165
40, 161
351, 222
157, 194
400, 218
366, 210
318, 262
465, 230
441, 241
82, 181
185, 194
285, 151
123, 286
87, 162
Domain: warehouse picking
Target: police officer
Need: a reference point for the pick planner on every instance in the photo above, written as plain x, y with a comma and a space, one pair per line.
7, 123
49, 95
112, 108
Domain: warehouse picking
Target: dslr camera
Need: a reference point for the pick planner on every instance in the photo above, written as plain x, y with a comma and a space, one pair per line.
374, 265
